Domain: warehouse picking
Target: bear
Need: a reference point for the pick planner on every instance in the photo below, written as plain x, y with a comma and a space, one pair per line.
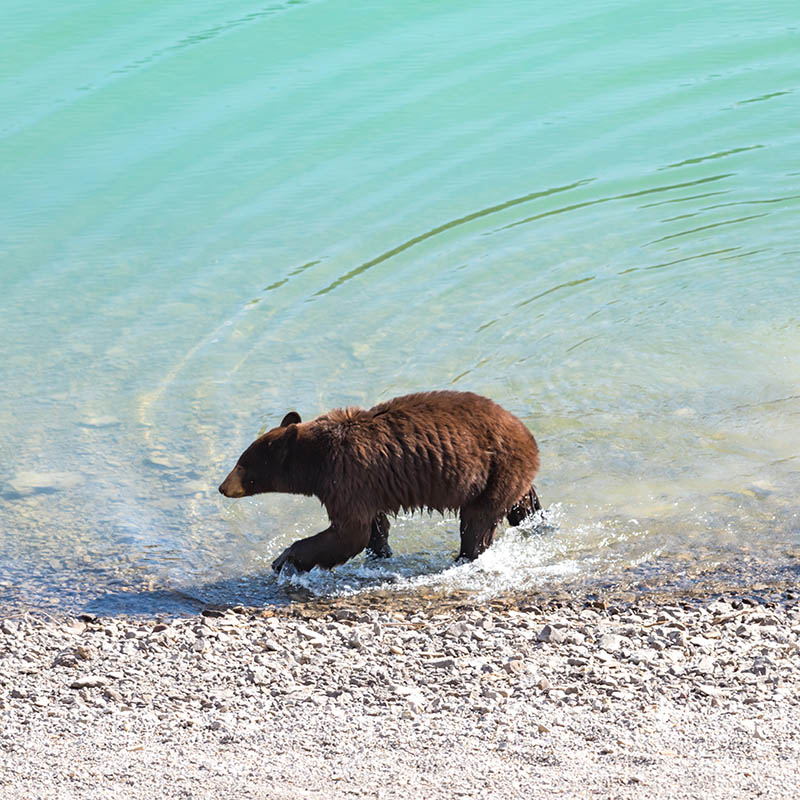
442, 451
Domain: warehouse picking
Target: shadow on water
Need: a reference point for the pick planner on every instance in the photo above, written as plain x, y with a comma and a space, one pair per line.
247, 590
254, 590
658, 582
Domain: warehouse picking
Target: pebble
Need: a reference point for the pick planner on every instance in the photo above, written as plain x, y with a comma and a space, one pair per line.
550, 634
443, 663
610, 642
89, 682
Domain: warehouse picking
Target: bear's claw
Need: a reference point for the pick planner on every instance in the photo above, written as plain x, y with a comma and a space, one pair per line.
384, 551
279, 563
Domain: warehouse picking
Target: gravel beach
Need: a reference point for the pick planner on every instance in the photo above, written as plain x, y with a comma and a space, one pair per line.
663, 697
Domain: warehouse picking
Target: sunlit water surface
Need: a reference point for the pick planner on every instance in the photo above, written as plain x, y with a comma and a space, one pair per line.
212, 213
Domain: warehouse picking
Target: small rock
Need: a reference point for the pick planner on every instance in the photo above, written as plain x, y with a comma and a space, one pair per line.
457, 629
705, 666
677, 638
259, 676
646, 656
610, 642
89, 682
307, 633
550, 634
75, 627
702, 642
416, 703
66, 658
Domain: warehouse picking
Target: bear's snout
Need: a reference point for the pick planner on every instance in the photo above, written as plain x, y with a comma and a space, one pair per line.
232, 485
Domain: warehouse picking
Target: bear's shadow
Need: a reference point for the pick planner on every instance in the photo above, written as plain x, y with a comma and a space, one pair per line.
258, 590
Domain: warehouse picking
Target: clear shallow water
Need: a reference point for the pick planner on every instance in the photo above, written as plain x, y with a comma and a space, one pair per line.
213, 213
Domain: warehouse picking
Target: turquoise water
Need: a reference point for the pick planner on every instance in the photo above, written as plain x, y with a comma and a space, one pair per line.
212, 213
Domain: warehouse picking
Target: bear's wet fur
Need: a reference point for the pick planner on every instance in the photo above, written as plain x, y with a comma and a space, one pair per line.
440, 451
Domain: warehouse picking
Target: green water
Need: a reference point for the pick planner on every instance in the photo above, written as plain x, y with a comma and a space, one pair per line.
212, 213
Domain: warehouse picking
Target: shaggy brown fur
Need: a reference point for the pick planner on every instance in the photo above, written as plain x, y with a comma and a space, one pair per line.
436, 450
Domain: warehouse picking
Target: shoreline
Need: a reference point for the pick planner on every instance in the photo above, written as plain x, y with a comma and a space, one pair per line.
675, 579
666, 696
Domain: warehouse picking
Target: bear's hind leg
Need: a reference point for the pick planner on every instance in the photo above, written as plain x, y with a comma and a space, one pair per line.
333, 546
378, 546
526, 506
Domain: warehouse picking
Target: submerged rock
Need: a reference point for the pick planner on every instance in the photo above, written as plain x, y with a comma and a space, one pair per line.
29, 482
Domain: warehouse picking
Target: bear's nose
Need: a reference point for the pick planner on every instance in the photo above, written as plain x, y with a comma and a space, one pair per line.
232, 485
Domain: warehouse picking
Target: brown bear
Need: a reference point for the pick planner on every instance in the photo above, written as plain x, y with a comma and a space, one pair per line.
434, 450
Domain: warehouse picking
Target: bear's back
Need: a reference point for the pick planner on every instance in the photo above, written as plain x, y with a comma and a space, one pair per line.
436, 450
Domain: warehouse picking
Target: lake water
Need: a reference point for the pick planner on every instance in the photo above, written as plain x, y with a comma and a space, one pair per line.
214, 212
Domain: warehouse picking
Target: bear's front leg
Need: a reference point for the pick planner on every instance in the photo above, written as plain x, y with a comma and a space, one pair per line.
326, 549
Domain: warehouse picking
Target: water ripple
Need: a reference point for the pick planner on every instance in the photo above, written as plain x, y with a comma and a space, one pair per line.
712, 156
625, 196
707, 227
484, 212
206, 34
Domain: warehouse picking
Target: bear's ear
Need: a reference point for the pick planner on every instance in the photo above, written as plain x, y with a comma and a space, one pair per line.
292, 418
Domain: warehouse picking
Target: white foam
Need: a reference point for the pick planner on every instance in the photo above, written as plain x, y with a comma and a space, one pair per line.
520, 557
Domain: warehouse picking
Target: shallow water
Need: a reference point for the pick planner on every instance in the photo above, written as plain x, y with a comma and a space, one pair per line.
213, 213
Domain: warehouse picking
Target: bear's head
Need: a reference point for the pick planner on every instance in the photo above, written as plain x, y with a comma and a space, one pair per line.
261, 467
